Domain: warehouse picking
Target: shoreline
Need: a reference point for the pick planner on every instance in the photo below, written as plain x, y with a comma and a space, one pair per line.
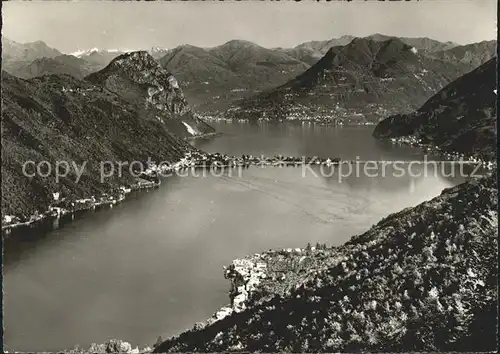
56, 211
434, 149
267, 279
203, 136
197, 159
192, 159
259, 277
315, 121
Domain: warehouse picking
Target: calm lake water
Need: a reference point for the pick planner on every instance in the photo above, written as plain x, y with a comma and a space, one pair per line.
153, 265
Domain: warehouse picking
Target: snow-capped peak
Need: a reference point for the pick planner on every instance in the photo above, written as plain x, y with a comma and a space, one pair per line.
158, 49
80, 53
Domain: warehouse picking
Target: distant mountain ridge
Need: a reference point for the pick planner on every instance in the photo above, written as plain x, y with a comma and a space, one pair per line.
99, 58
156, 52
212, 78
213, 85
421, 43
473, 54
367, 79
83, 53
459, 118
310, 52
27, 60
61, 64
232, 70
14, 51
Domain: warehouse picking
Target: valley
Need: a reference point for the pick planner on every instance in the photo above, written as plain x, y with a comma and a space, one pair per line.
334, 195
195, 224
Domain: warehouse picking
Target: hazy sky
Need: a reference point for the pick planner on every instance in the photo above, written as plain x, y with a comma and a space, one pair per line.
69, 26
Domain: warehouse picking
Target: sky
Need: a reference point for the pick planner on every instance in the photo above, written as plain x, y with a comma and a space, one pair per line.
78, 25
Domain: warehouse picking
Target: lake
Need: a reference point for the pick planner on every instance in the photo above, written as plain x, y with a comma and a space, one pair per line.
153, 265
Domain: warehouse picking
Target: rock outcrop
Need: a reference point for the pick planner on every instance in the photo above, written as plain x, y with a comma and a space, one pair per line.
138, 78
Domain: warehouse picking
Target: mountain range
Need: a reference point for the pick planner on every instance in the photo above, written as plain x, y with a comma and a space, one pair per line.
61, 64
131, 110
212, 78
311, 52
364, 80
27, 60
27, 52
232, 70
473, 54
423, 279
459, 118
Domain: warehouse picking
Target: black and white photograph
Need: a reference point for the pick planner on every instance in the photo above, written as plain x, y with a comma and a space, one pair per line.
249, 176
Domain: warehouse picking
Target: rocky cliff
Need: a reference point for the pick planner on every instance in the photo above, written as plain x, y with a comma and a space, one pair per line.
131, 111
459, 118
138, 78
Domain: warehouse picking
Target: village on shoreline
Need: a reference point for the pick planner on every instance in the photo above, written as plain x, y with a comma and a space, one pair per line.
196, 159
